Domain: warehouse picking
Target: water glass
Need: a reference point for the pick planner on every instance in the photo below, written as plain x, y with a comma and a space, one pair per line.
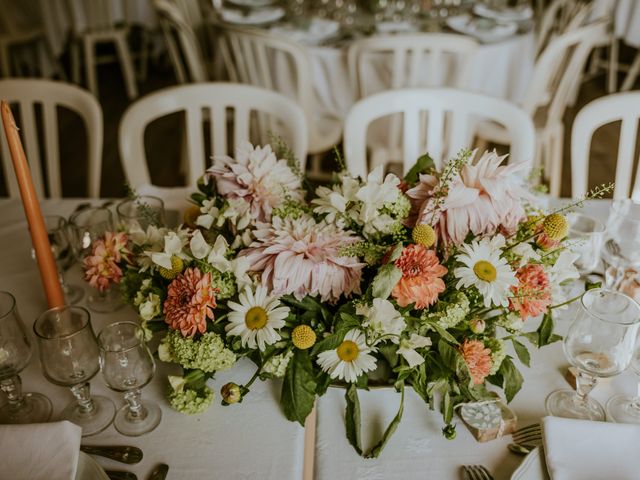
69, 356
624, 408
143, 210
599, 343
586, 236
15, 353
621, 249
127, 366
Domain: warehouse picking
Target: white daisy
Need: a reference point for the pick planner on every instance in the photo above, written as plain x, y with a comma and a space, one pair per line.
350, 359
256, 318
486, 270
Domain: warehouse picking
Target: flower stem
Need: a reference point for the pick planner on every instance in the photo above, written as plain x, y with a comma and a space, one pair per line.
571, 300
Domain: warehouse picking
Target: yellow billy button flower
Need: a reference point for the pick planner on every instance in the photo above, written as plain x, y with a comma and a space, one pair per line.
424, 234
348, 351
255, 318
176, 268
555, 226
191, 215
485, 271
303, 337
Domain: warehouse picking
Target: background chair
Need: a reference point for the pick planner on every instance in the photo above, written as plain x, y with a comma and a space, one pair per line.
211, 100
452, 116
622, 107
49, 96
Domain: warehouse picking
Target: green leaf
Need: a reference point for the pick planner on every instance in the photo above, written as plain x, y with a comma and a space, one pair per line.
522, 352
512, 378
423, 164
298, 387
545, 330
395, 254
447, 408
450, 356
443, 332
352, 418
393, 426
592, 285
386, 279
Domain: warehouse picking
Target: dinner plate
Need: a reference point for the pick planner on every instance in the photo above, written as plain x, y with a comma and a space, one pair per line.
89, 469
251, 3
485, 30
260, 16
533, 467
518, 14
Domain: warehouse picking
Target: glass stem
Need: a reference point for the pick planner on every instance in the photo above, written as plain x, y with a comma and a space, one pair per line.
137, 411
584, 385
12, 388
635, 401
83, 396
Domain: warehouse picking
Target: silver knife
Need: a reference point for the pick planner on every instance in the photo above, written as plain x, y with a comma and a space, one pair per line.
160, 472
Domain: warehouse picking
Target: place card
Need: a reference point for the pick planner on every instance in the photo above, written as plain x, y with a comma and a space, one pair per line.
488, 420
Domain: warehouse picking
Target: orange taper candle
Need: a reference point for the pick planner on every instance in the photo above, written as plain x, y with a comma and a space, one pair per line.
39, 237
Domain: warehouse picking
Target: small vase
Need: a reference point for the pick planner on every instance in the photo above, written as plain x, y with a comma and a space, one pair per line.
106, 301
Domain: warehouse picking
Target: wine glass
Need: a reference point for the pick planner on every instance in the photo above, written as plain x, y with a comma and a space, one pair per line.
127, 366
599, 343
586, 235
87, 225
62, 250
623, 408
143, 210
69, 356
622, 244
15, 353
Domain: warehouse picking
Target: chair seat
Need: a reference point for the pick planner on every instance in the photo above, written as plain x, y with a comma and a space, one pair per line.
327, 135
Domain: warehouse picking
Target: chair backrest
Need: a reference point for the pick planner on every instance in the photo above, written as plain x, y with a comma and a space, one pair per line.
623, 107
210, 100
561, 16
95, 15
27, 93
451, 118
415, 60
182, 43
559, 67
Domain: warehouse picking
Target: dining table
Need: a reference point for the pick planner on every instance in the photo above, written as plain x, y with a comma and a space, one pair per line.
253, 439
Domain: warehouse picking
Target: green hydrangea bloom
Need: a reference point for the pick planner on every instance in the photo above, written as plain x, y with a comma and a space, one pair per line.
190, 401
277, 365
291, 209
368, 251
225, 283
399, 209
451, 312
206, 353
498, 353
512, 322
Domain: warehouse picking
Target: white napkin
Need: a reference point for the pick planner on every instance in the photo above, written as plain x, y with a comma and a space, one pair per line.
39, 451
584, 450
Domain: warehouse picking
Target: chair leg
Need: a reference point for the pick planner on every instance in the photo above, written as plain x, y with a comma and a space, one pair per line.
144, 56
555, 151
614, 48
57, 68
632, 75
90, 67
75, 62
126, 64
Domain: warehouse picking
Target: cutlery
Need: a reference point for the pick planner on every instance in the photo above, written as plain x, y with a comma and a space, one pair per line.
120, 475
160, 472
476, 472
520, 449
119, 453
529, 435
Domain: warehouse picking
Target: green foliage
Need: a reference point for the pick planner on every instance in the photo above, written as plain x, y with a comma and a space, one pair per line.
352, 418
384, 282
298, 387
424, 164
377, 449
522, 352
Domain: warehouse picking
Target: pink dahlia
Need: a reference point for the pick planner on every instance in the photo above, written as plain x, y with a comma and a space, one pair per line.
482, 199
256, 176
478, 359
420, 283
532, 295
302, 257
190, 301
101, 267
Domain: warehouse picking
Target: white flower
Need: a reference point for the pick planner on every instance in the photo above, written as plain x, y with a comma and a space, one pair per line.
526, 253
256, 318
561, 271
209, 214
486, 270
150, 308
384, 322
164, 352
152, 238
216, 257
408, 346
350, 359
174, 242
177, 383
379, 224
334, 201
376, 193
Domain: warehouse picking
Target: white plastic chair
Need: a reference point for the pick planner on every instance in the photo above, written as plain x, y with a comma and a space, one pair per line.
408, 54
212, 100
555, 74
26, 93
100, 27
451, 118
624, 107
182, 43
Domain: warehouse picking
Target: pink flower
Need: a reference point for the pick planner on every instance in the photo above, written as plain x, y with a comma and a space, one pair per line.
478, 359
482, 199
190, 301
256, 176
302, 257
420, 283
532, 296
101, 266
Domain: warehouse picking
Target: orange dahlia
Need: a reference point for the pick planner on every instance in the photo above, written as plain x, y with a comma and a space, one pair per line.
190, 301
532, 295
420, 283
478, 359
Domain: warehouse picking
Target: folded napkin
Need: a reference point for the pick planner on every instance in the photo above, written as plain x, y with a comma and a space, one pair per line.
584, 450
39, 451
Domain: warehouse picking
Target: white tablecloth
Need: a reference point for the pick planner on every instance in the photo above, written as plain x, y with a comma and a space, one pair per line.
252, 440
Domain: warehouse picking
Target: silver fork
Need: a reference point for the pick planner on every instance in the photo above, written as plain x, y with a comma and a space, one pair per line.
476, 472
526, 439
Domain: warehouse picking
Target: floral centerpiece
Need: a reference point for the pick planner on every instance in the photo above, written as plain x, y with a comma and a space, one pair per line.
414, 282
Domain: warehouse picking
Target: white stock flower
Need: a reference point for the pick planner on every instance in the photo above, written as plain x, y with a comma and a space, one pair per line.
408, 348
376, 193
150, 308
216, 257
383, 321
561, 271
174, 242
526, 253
